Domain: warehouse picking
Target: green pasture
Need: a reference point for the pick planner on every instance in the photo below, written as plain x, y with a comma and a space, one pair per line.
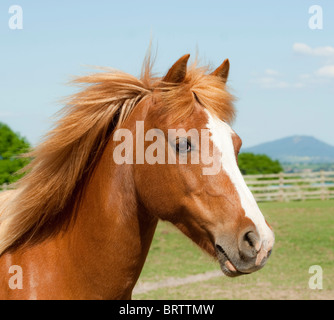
304, 233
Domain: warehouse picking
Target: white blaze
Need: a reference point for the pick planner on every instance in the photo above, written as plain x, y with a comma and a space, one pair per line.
221, 136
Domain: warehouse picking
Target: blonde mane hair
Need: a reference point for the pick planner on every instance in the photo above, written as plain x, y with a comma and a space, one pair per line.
54, 179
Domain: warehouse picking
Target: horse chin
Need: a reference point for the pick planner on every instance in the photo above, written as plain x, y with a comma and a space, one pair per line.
228, 270
226, 265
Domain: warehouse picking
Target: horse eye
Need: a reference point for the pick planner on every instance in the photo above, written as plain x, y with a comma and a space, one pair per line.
183, 146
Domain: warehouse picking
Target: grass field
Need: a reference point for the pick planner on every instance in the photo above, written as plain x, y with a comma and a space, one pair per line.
304, 233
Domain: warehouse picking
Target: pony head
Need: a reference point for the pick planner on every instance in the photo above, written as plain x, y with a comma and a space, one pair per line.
196, 184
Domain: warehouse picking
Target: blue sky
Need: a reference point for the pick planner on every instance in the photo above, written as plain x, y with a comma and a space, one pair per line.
282, 72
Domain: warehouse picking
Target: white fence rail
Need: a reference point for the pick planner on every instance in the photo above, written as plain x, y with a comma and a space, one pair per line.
292, 186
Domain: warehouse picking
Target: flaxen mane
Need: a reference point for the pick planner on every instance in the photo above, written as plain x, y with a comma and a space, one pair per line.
61, 164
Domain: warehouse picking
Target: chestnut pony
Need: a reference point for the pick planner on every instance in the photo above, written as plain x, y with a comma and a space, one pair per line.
79, 225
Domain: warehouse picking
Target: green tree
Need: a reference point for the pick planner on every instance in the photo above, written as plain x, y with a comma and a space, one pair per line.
250, 163
11, 146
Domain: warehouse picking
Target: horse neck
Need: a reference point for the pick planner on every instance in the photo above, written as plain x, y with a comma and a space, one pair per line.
112, 233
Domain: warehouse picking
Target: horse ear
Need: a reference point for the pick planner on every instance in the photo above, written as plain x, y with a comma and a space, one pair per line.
222, 70
177, 72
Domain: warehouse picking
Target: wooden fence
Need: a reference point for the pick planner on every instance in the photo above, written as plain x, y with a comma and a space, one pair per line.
292, 186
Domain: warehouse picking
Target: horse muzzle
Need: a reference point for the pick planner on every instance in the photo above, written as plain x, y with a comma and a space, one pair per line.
248, 254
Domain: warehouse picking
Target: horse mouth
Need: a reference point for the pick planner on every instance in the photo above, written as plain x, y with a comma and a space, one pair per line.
225, 263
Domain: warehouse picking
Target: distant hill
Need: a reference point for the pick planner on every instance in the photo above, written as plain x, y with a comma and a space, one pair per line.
301, 149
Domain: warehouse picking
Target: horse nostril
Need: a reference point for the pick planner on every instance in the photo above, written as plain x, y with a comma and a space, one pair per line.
248, 239
249, 244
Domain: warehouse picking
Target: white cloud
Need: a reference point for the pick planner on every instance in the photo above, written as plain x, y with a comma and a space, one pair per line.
305, 76
271, 72
326, 71
270, 79
303, 48
266, 82
273, 79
